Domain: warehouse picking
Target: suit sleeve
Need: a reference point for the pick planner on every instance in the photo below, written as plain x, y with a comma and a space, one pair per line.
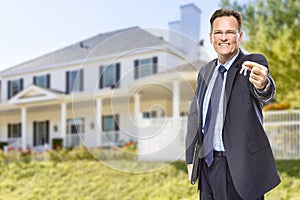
268, 95
192, 125
192, 129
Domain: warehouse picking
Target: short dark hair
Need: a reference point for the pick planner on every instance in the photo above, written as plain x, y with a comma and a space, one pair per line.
228, 13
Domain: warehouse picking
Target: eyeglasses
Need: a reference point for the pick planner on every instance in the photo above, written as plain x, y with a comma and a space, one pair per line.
229, 33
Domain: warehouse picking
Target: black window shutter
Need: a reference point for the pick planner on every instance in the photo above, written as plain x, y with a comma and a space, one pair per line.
67, 82
48, 80
9, 130
20, 129
34, 133
117, 84
8, 89
100, 77
116, 119
136, 69
154, 61
103, 128
21, 84
81, 80
34, 80
47, 131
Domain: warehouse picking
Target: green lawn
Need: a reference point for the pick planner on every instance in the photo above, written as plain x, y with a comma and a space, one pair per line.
91, 179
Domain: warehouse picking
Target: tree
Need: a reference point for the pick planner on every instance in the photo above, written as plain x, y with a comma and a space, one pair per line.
271, 27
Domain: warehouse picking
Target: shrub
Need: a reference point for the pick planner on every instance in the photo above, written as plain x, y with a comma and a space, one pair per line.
127, 152
277, 106
2, 144
57, 143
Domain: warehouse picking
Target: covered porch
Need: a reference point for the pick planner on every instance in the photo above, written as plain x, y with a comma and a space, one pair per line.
161, 106
36, 117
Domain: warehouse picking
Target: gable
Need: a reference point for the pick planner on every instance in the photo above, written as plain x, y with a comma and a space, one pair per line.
33, 94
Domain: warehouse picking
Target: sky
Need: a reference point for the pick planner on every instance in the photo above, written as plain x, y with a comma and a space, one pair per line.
32, 28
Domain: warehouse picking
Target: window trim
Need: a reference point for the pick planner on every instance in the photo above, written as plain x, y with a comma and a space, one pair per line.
11, 134
78, 122
47, 80
78, 84
115, 119
10, 91
137, 67
116, 74
46, 134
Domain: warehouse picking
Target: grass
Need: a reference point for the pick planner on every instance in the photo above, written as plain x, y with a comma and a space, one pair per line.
91, 180
289, 189
83, 178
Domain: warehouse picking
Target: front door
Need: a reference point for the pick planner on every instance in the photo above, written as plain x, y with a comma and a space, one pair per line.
75, 130
40, 133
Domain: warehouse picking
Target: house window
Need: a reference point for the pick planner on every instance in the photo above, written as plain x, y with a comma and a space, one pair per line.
14, 131
13, 87
148, 115
145, 67
75, 126
109, 76
110, 123
74, 81
43, 80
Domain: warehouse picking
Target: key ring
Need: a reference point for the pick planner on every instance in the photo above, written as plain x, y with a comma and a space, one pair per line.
244, 70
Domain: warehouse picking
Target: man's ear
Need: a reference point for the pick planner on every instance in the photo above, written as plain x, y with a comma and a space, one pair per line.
241, 36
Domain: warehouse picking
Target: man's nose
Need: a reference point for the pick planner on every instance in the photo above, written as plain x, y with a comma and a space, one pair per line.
223, 37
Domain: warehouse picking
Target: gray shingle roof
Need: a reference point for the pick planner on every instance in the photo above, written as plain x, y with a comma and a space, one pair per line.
188, 67
118, 41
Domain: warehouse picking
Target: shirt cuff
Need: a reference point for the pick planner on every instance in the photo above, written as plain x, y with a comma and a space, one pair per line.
265, 90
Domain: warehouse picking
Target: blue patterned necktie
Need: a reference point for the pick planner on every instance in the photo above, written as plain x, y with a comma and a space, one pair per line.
211, 116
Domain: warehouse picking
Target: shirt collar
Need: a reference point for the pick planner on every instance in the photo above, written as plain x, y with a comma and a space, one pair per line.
229, 62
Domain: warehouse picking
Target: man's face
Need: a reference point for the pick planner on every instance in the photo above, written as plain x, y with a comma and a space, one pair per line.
225, 37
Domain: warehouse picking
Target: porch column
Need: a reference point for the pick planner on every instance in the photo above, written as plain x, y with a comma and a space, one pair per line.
176, 99
137, 106
99, 120
63, 120
24, 123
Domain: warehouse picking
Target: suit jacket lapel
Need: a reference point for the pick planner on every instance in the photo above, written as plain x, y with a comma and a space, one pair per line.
205, 76
230, 79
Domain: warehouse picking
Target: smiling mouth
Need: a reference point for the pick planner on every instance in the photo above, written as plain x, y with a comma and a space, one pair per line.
224, 44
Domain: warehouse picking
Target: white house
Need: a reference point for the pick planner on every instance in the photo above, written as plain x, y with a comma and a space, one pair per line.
124, 85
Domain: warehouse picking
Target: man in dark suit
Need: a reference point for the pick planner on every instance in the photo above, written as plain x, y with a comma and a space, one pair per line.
236, 160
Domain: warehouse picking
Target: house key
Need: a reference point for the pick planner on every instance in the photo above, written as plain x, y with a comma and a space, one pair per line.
244, 69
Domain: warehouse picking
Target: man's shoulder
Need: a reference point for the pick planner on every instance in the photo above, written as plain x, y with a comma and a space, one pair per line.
208, 65
255, 57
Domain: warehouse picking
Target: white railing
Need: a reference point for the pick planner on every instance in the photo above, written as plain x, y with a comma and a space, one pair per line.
110, 138
283, 130
116, 138
15, 143
162, 139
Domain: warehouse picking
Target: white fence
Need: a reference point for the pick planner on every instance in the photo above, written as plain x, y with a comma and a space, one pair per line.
163, 138
283, 130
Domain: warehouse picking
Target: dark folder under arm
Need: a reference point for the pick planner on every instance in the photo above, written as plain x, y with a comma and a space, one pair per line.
196, 159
